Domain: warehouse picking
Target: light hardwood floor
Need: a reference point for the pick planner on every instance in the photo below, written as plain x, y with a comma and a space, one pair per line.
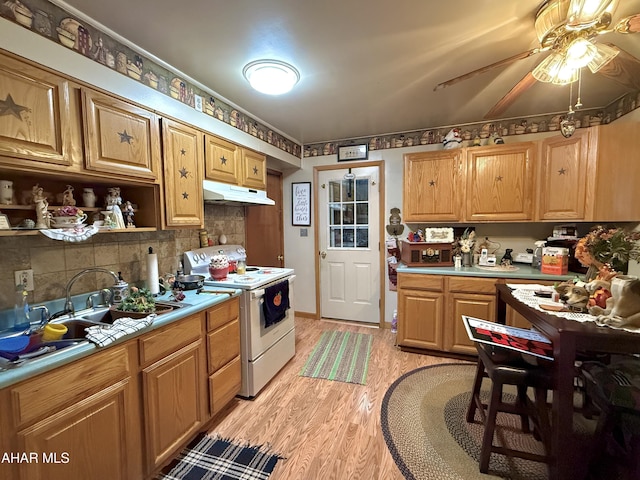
326, 429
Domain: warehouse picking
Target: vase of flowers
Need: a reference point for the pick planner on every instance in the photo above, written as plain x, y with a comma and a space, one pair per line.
466, 243
607, 251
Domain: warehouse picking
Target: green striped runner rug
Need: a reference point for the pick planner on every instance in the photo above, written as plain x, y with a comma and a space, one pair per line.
340, 356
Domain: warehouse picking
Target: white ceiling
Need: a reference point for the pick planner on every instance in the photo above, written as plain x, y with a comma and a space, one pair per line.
367, 67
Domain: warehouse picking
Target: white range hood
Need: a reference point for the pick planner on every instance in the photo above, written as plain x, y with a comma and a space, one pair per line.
218, 192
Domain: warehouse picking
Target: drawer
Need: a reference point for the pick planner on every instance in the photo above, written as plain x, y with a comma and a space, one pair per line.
472, 285
224, 385
159, 344
222, 313
50, 392
223, 345
422, 282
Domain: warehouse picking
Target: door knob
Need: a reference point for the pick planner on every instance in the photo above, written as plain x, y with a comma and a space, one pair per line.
323, 254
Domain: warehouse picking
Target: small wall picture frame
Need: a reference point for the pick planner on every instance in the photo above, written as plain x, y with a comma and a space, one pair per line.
4, 222
353, 152
301, 204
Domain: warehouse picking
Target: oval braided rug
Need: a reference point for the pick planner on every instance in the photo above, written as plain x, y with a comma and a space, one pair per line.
423, 422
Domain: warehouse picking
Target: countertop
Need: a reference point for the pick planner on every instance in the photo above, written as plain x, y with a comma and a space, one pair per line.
193, 303
524, 271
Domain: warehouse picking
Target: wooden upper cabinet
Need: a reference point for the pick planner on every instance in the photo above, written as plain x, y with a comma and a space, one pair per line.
183, 160
613, 149
565, 172
120, 138
433, 186
222, 160
254, 170
500, 182
35, 118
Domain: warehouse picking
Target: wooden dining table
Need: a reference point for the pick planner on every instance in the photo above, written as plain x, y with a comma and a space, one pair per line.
569, 337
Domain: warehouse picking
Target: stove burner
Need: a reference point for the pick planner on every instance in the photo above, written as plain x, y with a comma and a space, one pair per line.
252, 269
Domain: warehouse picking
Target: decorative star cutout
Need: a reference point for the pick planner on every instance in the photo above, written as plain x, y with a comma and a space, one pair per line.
183, 151
125, 137
183, 172
499, 178
562, 171
9, 107
432, 183
223, 160
185, 195
255, 170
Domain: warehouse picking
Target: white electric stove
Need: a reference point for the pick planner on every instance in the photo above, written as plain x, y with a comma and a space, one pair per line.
264, 350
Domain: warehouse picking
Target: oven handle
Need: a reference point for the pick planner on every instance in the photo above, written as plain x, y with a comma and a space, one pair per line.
260, 293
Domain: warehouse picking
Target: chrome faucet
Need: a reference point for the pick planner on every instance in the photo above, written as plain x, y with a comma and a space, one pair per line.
68, 304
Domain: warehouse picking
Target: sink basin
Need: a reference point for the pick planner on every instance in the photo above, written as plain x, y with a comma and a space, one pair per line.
103, 315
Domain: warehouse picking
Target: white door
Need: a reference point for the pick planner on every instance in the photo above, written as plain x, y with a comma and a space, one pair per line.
349, 237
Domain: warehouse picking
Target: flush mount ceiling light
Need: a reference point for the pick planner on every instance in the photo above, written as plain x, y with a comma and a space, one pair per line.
272, 77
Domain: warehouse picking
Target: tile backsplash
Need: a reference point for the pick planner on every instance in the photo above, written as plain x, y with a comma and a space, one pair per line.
54, 262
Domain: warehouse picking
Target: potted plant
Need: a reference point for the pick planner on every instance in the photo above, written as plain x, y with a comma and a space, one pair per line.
138, 303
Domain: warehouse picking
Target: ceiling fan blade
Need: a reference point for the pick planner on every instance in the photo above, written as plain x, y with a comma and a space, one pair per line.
624, 69
506, 61
505, 102
629, 25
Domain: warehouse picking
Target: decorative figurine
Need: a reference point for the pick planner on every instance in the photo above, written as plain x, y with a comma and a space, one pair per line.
43, 217
113, 201
67, 197
128, 214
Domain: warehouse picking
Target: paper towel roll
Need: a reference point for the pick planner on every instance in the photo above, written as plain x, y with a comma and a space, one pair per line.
153, 280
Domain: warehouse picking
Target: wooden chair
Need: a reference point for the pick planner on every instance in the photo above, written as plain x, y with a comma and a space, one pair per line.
614, 388
506, 368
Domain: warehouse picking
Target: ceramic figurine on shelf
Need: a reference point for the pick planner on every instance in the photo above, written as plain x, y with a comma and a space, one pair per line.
113, 201
67, 197
127, 212
43, 217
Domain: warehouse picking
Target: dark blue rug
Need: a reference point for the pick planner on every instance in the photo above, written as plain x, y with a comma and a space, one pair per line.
216, 458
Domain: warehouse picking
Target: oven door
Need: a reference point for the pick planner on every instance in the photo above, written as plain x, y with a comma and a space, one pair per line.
258, 337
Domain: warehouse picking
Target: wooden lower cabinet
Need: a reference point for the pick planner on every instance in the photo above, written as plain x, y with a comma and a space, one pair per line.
420, 318
430, 309
174, 405
86, 440
126, 411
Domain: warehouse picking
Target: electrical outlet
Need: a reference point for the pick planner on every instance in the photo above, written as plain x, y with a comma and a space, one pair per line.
24, 277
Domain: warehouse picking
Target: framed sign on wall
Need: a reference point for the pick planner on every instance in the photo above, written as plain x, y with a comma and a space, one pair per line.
353, 152
301, 204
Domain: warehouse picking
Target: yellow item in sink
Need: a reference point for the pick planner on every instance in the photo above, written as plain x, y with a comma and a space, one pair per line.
53, 331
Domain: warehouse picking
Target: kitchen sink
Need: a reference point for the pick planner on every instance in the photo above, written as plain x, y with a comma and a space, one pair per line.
103, 315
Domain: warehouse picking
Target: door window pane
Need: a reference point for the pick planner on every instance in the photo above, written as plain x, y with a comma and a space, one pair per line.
348, 210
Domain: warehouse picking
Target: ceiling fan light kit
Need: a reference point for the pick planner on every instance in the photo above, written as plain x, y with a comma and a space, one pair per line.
586, 13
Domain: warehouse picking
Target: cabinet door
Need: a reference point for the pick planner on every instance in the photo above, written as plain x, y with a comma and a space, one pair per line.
564, 177
420, 315
173, 399
254, 170
223, 345
35, 115
222, 160
120, 138
473, 305
500, 182
432, 186
225, 385
183, 159
86, 440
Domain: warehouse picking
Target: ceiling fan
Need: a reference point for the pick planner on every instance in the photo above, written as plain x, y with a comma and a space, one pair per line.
568, 30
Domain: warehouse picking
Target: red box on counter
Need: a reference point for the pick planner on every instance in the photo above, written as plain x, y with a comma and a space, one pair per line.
555, 260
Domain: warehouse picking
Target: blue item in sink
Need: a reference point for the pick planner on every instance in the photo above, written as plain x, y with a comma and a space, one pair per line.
14, 344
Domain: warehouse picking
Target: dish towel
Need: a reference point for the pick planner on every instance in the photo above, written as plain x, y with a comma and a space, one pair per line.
276, 303
103, 335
